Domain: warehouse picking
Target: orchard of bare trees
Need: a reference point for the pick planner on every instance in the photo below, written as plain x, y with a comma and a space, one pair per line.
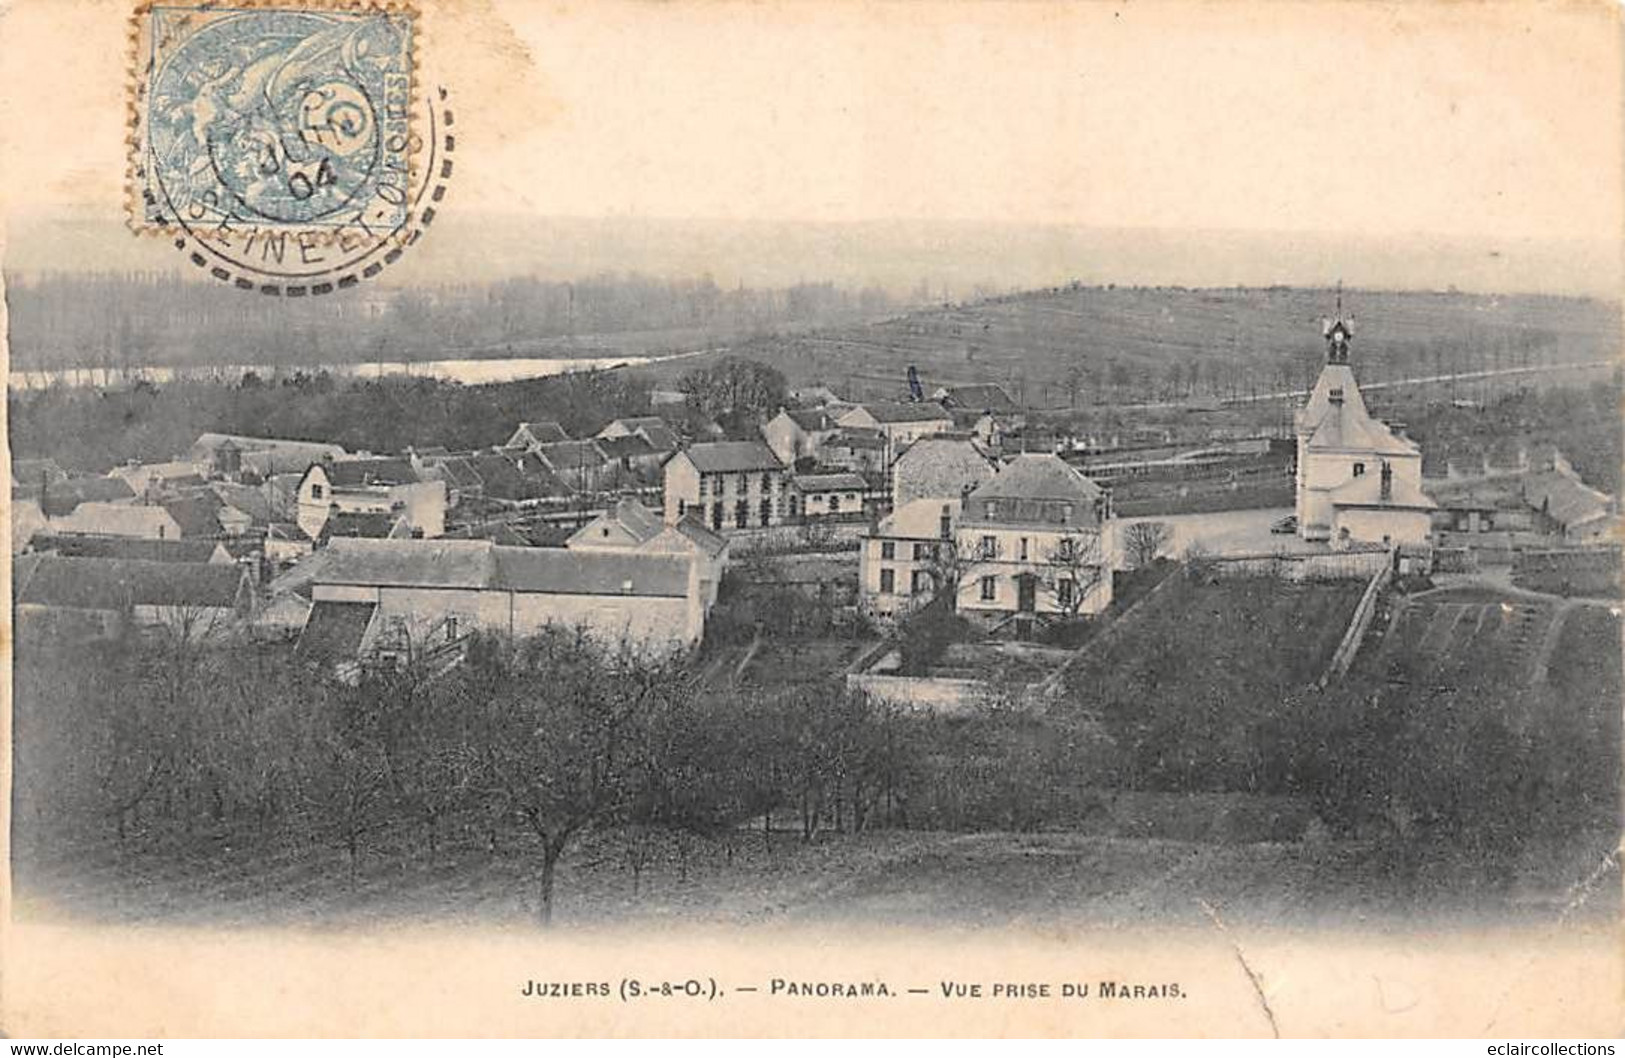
528, 750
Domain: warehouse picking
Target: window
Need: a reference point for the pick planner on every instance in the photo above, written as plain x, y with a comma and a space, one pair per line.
991, 509
990, 546
703, 480
946, 526
920, 582
716, 516
316, 491
834, 504
888, 581
1066, 548
1063, 592
1066, 513
1024, 549
767, 510
922, 552
741, 514
990, 589
451, 628
1359, 469
682, 508
767, 483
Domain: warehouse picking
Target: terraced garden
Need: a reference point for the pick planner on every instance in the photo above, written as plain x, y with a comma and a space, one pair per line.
1442, 636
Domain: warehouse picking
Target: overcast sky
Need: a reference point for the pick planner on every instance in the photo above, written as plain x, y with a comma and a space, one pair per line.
1493, 123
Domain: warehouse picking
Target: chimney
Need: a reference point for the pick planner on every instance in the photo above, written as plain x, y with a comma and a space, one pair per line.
1387, 492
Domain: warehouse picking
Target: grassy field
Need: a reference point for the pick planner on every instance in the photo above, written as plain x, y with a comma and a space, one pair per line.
881, 878
1277, 632
1238, 338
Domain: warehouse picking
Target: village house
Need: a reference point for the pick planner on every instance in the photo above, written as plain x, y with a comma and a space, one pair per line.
370, 485
981, 398
652, 428
64, 496
234, 456
860, 451
151, 481
940, 468
634, 461
96, 597
118, 519
397, 597
629, 525
901, 423
532, 434
827, 497
1568, 508
898, 564
512, 478
1036, 540
1356, 481
731, 484
581, 465
797, 433
146, 549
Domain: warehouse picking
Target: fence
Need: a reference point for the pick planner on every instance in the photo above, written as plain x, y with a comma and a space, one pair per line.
1343, 656
1337, 565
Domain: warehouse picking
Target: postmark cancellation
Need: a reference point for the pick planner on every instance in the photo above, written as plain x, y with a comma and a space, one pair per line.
281, 137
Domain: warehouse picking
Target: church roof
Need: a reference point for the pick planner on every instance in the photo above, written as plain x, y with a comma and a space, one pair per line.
1346, 424
1366, 491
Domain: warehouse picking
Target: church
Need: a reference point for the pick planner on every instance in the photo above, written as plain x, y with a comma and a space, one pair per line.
1357, 482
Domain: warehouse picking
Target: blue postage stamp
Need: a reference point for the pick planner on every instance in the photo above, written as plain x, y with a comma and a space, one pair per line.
267, 121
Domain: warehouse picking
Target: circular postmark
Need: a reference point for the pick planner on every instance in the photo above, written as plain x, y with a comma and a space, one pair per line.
280, 147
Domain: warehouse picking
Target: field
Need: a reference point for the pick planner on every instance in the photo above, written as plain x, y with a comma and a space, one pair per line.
1195, 639
885, 878
1123, 341
1429, 639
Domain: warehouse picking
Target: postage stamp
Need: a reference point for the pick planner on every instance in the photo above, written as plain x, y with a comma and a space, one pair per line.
280, 137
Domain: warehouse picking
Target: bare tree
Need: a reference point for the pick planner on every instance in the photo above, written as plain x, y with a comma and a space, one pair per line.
1073, 568
556, 741
1146, 541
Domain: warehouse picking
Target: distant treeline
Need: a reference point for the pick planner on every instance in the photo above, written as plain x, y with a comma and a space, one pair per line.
88, 429
122, 321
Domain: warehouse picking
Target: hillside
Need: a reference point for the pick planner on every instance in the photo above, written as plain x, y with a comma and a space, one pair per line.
1121, 343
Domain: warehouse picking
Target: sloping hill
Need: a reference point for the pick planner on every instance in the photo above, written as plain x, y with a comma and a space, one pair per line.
1122, 341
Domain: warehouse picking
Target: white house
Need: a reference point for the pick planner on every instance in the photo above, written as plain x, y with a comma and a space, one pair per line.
374, 485
898, 564
1356, 481
1038, 539
731, 484
823, 496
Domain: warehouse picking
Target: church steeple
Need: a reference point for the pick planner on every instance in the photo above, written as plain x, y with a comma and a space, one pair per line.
1339, 332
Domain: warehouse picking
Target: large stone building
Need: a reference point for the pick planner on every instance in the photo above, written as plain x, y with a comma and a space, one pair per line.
731, 484
1038, 539
1357, 482
383, 597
